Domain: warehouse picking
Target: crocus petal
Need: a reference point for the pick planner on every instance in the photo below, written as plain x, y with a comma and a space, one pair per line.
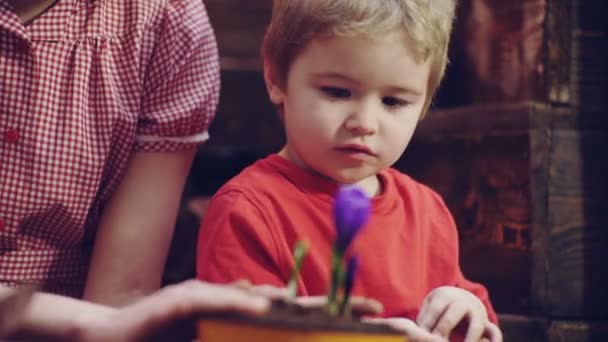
351, 211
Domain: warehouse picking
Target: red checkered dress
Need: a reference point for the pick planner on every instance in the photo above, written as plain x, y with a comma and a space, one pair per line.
81, 88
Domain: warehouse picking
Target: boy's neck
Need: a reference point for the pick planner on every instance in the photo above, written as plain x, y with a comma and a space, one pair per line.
372, 185
29, 10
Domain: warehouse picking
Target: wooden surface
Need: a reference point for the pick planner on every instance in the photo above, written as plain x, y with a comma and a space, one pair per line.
540, 329
589, 44
578, 225
495, 119
246, 121
517, 328
239, 26
559, 52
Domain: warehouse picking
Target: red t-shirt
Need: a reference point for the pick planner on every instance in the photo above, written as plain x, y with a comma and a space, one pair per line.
408, 248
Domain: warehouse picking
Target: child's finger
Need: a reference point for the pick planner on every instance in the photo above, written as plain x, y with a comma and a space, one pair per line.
432, 309
492, 332
476, 328
449, 319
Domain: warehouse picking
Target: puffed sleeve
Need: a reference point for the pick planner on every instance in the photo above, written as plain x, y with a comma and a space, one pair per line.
181, 81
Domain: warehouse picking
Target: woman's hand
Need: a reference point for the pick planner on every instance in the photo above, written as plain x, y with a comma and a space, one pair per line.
168, 314
13, 305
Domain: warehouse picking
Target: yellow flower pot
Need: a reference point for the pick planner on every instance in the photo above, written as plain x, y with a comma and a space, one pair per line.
291, 328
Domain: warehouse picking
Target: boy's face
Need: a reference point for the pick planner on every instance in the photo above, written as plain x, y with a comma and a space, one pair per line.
351, 105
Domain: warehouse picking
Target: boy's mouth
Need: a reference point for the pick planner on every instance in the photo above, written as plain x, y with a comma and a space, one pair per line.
356, 148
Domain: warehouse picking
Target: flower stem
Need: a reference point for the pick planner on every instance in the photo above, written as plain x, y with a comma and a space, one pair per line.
349, 282
337, 280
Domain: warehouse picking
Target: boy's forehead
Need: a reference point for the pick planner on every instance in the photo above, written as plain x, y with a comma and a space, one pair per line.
365, 60
396, 41
360, 49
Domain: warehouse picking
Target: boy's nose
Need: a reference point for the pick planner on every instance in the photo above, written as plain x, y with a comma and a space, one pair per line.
363, 120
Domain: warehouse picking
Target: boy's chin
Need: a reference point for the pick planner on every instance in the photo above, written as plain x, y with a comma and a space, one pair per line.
360, 178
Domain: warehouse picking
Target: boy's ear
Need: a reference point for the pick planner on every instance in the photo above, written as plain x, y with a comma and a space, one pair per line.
275, 92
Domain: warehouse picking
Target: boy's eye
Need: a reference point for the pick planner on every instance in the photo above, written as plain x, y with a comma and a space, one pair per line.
390, 101
336, 92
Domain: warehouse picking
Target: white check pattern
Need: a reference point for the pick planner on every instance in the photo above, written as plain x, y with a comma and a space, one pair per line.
81, 88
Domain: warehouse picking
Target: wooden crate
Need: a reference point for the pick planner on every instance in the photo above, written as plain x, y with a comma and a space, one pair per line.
527, 189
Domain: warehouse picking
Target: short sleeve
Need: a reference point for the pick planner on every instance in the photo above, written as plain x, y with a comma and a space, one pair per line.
235, 242
181, 81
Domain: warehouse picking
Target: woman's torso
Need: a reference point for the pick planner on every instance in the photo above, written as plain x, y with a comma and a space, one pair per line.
70, 90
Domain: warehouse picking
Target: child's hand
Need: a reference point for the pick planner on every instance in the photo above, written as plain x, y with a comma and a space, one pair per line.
445, 307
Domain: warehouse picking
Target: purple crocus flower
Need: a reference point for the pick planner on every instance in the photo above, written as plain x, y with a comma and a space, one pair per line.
351, 212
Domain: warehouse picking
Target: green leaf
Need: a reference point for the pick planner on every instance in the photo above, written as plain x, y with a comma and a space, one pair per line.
299, 253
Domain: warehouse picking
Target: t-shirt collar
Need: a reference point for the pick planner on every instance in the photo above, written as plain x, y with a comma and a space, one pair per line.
310, 182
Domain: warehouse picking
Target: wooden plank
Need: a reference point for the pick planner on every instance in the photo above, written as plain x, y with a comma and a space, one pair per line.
543, 329
577, 165
504, 119
524, 328
591, 15
246, 121
540, 147
579, 331
558, 51
497, 119
239, 28
474, 121
590, 60
590, 73
577, 277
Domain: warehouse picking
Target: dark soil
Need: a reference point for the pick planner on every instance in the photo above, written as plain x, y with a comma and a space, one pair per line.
293, 316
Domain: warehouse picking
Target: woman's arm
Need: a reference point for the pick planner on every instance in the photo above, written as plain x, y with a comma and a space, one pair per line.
164, 315
135, 232
33, 317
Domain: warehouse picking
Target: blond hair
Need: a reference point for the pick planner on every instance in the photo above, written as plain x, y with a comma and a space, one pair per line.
426, 24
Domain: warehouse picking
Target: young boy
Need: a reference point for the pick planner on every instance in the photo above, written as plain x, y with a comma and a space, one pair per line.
351, 79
